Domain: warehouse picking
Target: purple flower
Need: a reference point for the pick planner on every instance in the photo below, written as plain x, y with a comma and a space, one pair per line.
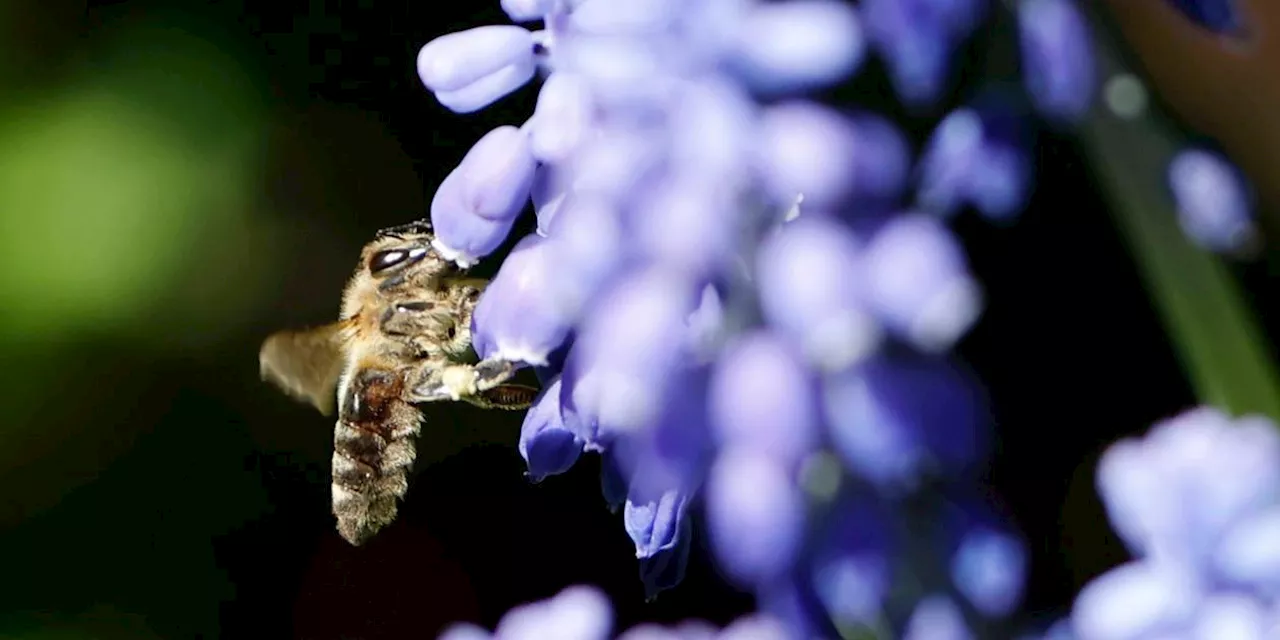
1215, 206
528, 10
807, 149
1220, 16
469, 70
800, 44
685, 223
1057, 58
916, 39
497, 174
462, 236
588, 241
811, 290
755, 516
625, 352
896, 417
562, 118
613, 480
514, 319
665, 569
653, 518
763, 397
852, 564
1195, 500
575, 613
978, 155
918, 282
937, 618
583, 612
546, 444
702, 331
988, 559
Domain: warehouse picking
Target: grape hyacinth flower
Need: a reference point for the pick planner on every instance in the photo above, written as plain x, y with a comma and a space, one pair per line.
1197, 502
583, 612
768, 368
1213, 200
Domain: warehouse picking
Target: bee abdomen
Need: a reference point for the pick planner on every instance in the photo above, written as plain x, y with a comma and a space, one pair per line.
373, 453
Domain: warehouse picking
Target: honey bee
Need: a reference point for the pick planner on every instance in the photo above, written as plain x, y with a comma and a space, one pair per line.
403, 338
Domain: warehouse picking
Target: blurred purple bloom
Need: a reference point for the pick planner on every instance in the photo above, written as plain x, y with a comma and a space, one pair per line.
1219, 16
800, 44
588, 241
547, 446
937, 618
528, 10
576, 613
583, 612
685, 223
1057, 58
918, 282
1174, 493
621, 18
755, 516
763, 398
882, 161
978, 155
1214, 203
1195, 500
811, 289
852, 566
896, 417
625, 352
916, 38
469, 70
988, 563
1136, 600
793, 601
754, 628
808, 149
711, 133
652, 165
514, 319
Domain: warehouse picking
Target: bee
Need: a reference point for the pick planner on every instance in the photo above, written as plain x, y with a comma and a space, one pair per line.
403, 338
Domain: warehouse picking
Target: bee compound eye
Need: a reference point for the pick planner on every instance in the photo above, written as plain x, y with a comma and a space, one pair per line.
383, 260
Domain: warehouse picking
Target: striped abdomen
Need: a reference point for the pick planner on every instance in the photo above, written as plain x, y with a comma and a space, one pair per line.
373, 450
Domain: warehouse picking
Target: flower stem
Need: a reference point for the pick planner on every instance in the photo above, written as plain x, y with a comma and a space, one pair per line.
1218, 341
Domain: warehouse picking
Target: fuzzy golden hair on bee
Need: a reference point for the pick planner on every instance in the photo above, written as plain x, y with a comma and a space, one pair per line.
403, 338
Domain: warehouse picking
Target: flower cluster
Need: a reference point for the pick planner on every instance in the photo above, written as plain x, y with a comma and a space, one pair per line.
736, 293
584, 613
1197, 501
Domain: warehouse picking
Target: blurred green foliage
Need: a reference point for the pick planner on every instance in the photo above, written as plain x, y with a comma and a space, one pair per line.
1223, 350
130, 222
116, 189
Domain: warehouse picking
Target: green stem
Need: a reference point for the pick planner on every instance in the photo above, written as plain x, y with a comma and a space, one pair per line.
1221, 347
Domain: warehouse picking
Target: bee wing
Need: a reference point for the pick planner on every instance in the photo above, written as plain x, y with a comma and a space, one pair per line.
306, 364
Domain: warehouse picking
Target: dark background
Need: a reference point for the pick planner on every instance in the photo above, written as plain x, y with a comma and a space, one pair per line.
153, 487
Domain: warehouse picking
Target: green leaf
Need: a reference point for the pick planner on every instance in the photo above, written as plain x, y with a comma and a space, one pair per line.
1218, 340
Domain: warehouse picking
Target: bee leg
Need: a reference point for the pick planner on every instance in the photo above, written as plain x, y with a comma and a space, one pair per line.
462, 381
467, 293
511, 397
